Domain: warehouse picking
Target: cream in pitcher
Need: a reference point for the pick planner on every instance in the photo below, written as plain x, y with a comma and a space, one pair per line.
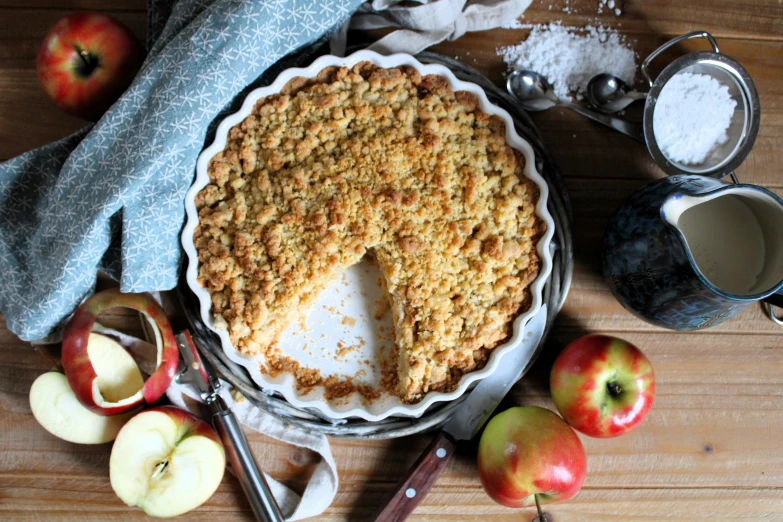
728, 236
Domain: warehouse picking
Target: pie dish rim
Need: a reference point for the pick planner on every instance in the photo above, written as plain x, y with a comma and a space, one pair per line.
287, 386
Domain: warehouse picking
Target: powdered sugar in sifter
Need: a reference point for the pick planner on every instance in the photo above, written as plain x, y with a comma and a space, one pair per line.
744, 123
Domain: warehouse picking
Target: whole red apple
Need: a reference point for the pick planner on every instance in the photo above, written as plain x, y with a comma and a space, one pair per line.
602, 386
530, 451
86, 61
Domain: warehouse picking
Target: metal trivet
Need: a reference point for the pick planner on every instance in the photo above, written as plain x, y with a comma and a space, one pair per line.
555, 289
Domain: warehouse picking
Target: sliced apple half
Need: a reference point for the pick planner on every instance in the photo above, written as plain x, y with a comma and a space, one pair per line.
166, 461
83, 371
57, 409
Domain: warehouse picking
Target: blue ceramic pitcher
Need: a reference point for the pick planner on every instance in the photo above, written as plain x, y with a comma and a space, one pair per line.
688, 252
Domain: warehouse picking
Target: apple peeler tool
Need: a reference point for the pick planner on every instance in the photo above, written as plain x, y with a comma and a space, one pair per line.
197, 374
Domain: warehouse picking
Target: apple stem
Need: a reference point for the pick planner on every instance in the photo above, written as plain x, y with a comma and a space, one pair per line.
538, 508
614, 389
89, 62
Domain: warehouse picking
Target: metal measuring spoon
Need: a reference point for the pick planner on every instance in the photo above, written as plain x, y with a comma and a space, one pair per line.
535, 93
607, 93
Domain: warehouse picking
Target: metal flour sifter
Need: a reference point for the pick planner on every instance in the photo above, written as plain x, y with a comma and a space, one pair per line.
747, 114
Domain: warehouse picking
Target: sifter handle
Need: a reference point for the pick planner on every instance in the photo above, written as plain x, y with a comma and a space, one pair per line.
245, 468
655, 53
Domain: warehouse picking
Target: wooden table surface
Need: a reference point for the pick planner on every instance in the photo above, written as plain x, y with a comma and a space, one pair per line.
712, 447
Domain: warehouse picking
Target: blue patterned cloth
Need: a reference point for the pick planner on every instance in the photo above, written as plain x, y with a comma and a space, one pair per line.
111, 196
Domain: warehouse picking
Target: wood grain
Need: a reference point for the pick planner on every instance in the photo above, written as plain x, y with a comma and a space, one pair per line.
139, 6
28, 119
756, 19
711, 448
28, 500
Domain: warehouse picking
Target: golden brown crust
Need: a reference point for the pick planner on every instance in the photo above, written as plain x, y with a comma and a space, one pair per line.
380, 159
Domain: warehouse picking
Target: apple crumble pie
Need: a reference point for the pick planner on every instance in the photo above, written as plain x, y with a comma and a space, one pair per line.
381, 161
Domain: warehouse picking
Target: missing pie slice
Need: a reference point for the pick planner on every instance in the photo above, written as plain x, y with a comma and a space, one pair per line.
374, 160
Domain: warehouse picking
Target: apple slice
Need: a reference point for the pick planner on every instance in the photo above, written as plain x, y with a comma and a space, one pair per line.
166, 461
118, 378
80, 368
57, 409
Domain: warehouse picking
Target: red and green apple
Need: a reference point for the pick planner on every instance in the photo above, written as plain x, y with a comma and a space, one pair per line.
602, 386
86, 61
528, 454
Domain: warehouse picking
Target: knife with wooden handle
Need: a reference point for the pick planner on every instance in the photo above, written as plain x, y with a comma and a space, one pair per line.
462, 425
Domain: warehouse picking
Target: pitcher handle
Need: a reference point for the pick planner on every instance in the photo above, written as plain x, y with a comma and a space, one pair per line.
774, 301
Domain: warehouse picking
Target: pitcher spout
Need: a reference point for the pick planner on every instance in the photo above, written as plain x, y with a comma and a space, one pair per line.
733, 238
675, 206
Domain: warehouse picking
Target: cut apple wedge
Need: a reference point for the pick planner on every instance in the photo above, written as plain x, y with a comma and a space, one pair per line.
57, 409
166, 461
81, 369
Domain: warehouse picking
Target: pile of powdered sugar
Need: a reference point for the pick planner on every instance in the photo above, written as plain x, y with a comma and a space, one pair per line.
691, 117
569, 57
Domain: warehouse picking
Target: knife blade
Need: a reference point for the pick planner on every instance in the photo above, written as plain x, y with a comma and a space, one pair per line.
463, 425
197, 373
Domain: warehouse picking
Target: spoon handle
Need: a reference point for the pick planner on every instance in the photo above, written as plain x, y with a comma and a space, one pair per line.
629, 129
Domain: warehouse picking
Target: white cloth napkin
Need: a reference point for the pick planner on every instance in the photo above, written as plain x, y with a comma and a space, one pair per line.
427, 23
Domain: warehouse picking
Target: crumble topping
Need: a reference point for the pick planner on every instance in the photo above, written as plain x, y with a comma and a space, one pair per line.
384, 161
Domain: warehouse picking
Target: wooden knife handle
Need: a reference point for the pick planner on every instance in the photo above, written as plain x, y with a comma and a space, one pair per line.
415, 485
